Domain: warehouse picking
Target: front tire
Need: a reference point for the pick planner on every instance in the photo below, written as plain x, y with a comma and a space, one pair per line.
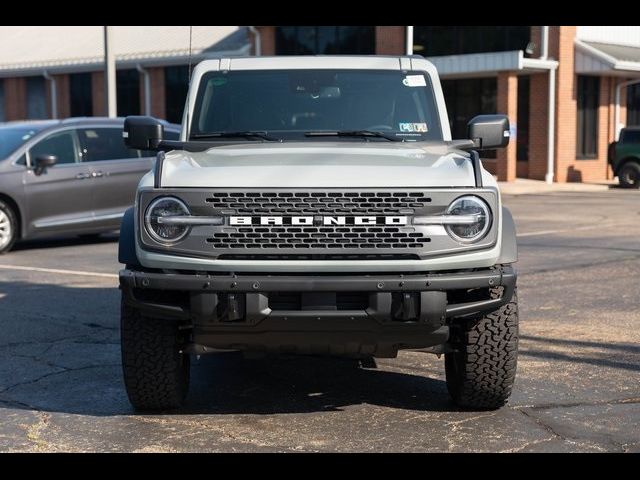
156, 373
481, 372
629, 175
8, 227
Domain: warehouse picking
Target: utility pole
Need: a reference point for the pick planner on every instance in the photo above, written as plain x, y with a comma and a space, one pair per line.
110, 74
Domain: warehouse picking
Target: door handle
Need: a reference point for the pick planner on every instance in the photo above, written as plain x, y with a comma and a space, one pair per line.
82, 176
97, 174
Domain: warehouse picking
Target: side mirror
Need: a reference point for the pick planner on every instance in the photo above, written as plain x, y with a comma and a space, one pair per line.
42, 162
142, 133
489, 131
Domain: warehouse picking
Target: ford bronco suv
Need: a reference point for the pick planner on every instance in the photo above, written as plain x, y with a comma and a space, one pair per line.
318, 205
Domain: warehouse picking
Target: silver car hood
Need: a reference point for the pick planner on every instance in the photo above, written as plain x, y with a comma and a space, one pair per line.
321, 164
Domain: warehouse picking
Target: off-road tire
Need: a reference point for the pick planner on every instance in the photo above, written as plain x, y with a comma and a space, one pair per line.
480, 374
156, 374
629, 175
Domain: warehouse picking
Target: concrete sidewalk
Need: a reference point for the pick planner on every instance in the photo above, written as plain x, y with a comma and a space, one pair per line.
523, 186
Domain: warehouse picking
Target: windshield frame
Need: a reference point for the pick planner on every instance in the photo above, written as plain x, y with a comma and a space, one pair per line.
434, 104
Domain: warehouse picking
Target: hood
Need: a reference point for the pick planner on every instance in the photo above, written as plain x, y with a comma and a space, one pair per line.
320, 164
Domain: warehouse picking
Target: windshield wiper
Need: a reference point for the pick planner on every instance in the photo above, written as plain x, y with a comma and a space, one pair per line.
242, 134
354, 133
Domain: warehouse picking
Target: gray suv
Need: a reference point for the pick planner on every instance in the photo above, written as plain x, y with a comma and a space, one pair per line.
71, 176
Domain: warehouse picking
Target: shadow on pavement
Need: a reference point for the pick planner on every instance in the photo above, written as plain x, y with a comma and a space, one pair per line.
67, 359
609, 357
66, 241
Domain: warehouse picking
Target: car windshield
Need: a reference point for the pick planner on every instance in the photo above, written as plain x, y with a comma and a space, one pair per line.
11, 137
316, 105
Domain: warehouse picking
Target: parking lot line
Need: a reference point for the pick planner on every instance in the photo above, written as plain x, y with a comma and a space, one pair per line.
55, 270
564, 230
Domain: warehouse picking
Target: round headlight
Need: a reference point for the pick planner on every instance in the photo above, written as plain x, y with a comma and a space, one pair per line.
166, 207
477, 222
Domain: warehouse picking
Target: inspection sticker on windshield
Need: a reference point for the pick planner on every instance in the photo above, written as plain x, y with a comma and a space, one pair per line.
414, 81
413, 127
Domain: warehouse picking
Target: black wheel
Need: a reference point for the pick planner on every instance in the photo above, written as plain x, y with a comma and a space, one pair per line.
629, 175
156, 373
480, 374
8, 227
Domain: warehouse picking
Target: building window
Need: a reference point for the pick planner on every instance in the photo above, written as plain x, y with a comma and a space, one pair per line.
522, 124
633, 105
2, 115
467, 98
176, 85
128, 92
588, 100
431, 41
81, 97
36, 98
312, 40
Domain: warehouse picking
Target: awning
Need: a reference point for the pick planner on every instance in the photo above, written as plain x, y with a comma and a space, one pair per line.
30, 50
607, 59
489, 64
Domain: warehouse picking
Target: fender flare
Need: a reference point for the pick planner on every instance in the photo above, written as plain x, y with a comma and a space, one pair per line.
509, 249
127, 243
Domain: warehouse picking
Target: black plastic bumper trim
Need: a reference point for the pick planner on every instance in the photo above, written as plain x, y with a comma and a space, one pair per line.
504, 276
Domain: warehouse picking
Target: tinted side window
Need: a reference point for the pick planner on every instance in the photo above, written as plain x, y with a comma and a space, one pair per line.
60, 144
631, 136
103, 144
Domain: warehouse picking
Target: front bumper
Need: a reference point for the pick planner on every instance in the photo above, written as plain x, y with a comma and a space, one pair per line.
239, 311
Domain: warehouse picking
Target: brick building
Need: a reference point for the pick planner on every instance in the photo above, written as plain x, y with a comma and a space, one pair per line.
57, 72
582, 74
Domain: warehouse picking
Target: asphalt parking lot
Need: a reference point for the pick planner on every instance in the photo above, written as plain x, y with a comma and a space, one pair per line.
578, 384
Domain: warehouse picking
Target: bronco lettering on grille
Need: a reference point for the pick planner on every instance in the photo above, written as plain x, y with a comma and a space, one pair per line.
319, 220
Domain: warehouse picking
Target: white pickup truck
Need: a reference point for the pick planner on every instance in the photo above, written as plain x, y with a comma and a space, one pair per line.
318, 205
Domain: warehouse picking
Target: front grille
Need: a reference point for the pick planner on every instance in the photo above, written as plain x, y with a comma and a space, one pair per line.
283, 241
322, 203
334, 237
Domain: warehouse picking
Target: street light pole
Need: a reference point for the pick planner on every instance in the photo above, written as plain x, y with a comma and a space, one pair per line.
110, 73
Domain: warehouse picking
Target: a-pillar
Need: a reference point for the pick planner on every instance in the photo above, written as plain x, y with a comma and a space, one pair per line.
507, 104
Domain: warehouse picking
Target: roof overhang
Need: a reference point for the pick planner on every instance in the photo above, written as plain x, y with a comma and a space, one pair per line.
489, 64
591, 60
97, 63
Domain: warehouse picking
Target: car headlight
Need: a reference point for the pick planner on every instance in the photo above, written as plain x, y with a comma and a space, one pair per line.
161, 208
477, 219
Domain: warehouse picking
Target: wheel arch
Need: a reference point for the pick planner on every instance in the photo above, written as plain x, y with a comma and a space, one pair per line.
16, 209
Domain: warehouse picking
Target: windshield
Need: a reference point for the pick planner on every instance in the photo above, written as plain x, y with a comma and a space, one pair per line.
288, 104
12, 137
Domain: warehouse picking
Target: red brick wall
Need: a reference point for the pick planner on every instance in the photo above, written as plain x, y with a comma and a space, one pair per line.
390, 40
64, 100
538, 123
156, 79
267, 40
98, 94
507, 103
561, 47
15, 98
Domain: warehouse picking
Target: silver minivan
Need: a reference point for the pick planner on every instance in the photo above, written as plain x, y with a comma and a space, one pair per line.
62, 177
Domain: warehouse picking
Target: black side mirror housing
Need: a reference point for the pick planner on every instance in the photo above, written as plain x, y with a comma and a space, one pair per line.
42, 162
142, 133
489, 131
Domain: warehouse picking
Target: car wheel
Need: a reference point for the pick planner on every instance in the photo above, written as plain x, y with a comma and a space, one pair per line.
156, 371
8, 227
481, 370
629, 175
